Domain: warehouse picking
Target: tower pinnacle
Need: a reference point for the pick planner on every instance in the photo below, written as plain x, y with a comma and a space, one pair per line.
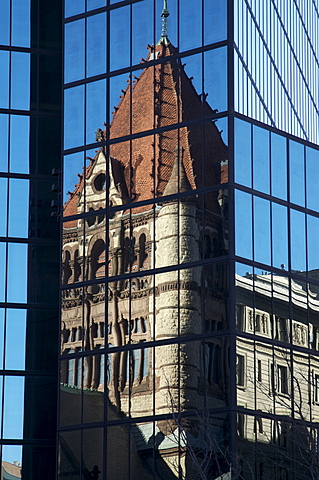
164, 15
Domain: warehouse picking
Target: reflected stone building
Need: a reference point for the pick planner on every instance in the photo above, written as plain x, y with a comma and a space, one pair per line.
189, 298
181, 231
276, 378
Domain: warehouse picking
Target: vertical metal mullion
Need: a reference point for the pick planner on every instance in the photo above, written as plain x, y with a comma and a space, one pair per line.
7, 234
131, 353
152, 356
231, 262
202, 312
179, 160
107, 224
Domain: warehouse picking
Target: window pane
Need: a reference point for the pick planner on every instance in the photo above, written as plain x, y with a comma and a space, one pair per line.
262, 230
215, 72
74, 51
13, 407
20, 80
3, 203
96, 45
5, 22
95, 108
73, 7
120, 35
297, 173
2, 270
4, 79
18, 207
17, 273
261, 166
143, 29
92, 4
4, 121
12, 453
312, 160
21, 23
15, 339
215, 21
74, 117
2, 311
73, 164
298, 240
279, 236
19, 150
279, 166
312, 240
243, 225
190, 14
242, 152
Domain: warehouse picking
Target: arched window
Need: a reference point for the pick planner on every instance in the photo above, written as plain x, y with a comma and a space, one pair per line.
90, 220
77, 266
79, 334
67, 271
130, 257
98, 260
143, 255
100, 217
143, 325
94, 330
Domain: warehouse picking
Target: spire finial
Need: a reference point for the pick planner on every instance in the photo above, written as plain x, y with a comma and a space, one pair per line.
164, 15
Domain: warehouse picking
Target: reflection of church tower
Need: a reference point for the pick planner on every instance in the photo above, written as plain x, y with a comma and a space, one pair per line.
172, 234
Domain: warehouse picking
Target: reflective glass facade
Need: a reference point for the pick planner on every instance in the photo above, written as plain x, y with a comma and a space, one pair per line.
276, 64
189, 280
30, 118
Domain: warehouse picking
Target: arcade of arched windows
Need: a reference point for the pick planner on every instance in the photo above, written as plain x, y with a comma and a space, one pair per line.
135, 363
135, 257
77, 334
135, 329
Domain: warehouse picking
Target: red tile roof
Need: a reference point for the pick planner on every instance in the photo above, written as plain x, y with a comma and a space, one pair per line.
162, 96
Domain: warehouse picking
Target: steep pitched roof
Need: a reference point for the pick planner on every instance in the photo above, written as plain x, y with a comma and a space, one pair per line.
160, 97
163, 96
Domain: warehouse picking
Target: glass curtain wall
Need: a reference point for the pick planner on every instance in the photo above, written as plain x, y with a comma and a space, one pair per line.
276, 64
144, 352
189, 268
276, 219
276, 283
30, 99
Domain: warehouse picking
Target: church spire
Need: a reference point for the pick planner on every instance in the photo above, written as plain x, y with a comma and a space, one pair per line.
164, 15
